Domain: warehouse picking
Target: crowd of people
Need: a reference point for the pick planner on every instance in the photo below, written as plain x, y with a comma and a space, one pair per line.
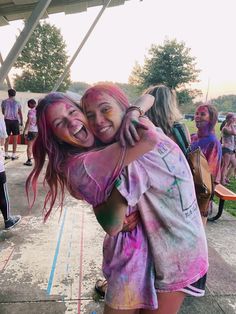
143, 191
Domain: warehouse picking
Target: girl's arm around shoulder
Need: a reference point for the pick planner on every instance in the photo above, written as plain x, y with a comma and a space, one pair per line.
111, 214
145, 102
147, 142
128, 131
97, 170
108, 157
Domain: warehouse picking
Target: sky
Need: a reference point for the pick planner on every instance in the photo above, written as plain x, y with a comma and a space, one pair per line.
125, 33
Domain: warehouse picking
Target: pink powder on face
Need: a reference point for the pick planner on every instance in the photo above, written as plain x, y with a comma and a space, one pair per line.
68, 106
93, 95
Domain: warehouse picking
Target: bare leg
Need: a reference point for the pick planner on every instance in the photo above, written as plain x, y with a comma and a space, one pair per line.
6, 145
168, 303
225, 165
233, 161
108, 310
15, 138
230, 172
29, 149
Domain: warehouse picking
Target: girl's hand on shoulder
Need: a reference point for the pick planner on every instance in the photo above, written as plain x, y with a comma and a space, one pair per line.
128, 131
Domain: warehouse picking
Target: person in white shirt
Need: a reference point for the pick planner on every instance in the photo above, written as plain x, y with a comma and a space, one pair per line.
30, 130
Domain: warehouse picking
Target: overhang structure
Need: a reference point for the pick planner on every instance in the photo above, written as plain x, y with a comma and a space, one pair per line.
32, 11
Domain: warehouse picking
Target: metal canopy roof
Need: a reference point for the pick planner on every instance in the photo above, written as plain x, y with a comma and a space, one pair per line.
11, 10
32, 11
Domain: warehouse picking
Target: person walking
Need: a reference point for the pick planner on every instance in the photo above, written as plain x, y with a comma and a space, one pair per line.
11, 110
31, 130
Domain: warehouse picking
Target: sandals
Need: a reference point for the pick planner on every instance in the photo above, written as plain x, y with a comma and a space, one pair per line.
101, 287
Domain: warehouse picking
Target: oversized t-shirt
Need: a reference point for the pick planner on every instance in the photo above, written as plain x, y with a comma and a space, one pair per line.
127, 260
170, 235
160, 184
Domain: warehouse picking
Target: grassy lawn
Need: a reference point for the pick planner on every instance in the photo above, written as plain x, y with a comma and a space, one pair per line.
192, 128
230, 206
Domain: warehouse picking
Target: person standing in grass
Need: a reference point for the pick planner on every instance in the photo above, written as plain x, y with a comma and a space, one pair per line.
228, 147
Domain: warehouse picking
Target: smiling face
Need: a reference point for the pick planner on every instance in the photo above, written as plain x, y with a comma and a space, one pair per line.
69, 124
202, 117
104, 116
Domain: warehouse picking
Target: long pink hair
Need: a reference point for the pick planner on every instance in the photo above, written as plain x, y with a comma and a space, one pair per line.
46, 144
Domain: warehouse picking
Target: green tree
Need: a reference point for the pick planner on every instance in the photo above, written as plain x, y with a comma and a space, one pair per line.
42, 61
225, 103
170, 64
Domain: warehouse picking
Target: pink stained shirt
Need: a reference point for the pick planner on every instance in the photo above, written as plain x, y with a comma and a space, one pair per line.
160, 184
127, 260
32, 120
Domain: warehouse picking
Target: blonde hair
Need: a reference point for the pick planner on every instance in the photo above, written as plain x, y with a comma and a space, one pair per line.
165, 110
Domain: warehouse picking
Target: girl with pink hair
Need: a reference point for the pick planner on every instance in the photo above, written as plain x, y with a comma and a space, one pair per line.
166, 251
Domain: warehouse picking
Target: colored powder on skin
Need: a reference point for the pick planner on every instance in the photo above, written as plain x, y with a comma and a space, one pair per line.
93, 95
68, 106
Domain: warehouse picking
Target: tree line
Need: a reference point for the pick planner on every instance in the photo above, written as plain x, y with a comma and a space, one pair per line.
44, 58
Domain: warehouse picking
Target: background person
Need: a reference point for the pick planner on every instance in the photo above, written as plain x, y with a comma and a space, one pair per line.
228, 147
206, 117
10, 221
165, 113
11, 110
30, 130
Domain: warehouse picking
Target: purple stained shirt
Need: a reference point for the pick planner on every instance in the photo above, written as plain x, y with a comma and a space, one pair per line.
211, 148
32, 120
167, 250
11, 108
160, 184
127, 260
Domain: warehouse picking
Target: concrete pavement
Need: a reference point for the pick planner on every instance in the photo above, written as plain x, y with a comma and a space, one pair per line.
51, 268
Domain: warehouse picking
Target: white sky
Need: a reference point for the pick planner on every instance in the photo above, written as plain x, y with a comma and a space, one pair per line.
124, 34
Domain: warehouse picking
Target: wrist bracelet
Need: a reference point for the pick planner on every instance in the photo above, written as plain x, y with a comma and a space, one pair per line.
140, 110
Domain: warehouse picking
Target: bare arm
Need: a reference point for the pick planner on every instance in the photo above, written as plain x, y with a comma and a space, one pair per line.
145, 102
128, 131
148, 140
108, 162
21, 116
111, 214
26, 126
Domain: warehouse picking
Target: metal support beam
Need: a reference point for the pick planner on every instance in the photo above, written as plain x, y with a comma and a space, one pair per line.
60, 80
30, 25
7, 77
